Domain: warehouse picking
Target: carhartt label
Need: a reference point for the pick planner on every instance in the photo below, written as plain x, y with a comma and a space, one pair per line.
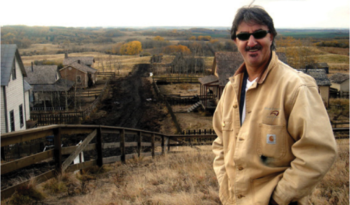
271, 139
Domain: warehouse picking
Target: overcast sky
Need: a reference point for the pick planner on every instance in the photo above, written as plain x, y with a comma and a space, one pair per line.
194, 13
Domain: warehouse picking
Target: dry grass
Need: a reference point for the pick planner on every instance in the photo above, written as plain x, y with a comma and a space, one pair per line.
334, 188
176, 179
186, 178
27, 194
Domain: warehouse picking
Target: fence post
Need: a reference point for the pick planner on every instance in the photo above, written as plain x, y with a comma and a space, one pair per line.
57, 151
3, 153
99, 147
139, 145
168, 144
153, 147
122, 146
163, 150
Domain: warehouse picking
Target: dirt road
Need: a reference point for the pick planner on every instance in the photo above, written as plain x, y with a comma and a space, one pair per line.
132, 103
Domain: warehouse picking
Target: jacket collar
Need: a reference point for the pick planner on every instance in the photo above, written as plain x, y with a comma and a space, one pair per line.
262, 78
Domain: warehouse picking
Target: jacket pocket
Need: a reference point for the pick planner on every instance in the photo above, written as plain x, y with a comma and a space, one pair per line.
227, 126
273, 143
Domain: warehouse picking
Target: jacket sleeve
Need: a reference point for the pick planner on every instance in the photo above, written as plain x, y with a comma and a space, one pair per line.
218, 149
314, 148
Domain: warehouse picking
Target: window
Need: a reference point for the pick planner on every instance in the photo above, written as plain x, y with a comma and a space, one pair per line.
14, 70
21, 115
12, 121
78, 79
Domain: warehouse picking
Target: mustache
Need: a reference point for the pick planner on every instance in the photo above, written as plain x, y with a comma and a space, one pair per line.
248, 48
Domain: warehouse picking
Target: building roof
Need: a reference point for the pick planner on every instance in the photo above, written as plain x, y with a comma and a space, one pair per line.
227, 63
208, 79
319, 75
339, 78
86, 60
27, 86
8, 54
60, 85
81, 67
41, 74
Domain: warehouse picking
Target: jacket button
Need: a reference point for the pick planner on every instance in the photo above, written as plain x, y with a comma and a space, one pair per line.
235, 106
223, 124
240, 168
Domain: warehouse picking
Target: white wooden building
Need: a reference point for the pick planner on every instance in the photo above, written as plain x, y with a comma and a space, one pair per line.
14, 103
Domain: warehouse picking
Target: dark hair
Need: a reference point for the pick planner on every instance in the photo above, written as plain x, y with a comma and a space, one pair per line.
257, 15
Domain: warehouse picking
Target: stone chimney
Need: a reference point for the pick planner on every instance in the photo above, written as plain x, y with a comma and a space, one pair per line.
79, 61
32, 66
66, 54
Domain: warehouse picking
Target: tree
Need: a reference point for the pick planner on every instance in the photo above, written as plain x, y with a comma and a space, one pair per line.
176, 49
158, 38
131, 48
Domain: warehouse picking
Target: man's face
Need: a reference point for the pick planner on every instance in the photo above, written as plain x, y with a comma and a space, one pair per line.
256, 52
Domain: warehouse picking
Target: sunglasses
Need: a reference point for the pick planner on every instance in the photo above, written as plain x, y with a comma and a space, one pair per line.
257, 35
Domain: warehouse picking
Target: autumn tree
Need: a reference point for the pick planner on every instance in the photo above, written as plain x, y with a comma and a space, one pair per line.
176, 49
298, 53
131, 48
158, 38
192, 38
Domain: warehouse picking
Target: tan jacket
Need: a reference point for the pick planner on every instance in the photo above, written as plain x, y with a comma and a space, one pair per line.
285, 145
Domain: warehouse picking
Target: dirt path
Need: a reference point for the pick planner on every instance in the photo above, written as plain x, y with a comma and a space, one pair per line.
130, 105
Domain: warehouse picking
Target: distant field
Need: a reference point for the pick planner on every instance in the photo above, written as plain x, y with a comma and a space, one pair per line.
329, 34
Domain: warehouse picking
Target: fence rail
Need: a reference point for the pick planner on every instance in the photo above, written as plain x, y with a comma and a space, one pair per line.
338, 94
94, 140
161, 80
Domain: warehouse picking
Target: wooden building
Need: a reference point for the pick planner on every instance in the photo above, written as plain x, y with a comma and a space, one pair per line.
322, 81
83, 75
340, 81
14, 91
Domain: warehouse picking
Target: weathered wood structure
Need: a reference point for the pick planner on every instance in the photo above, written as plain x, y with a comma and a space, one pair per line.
97, 132
322, 81
14, 90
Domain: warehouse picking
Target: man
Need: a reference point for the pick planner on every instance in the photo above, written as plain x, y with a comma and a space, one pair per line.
274, 140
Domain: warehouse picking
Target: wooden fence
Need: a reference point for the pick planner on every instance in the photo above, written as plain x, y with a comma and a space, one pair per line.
161, 80
144, 139
333, 93
70, 117
59, 118
176, 100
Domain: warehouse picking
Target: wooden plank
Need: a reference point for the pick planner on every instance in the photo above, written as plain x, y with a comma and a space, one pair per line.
82, 165
104, 131
146, 144
108, 160
70, 149
99, 147
111, 145
130, 144
122, 145
72, 130
7, 193
8, 140
131, 132
191, 136
153, 147
25, 161
79, 149
57, 152
139, 142
341, 129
